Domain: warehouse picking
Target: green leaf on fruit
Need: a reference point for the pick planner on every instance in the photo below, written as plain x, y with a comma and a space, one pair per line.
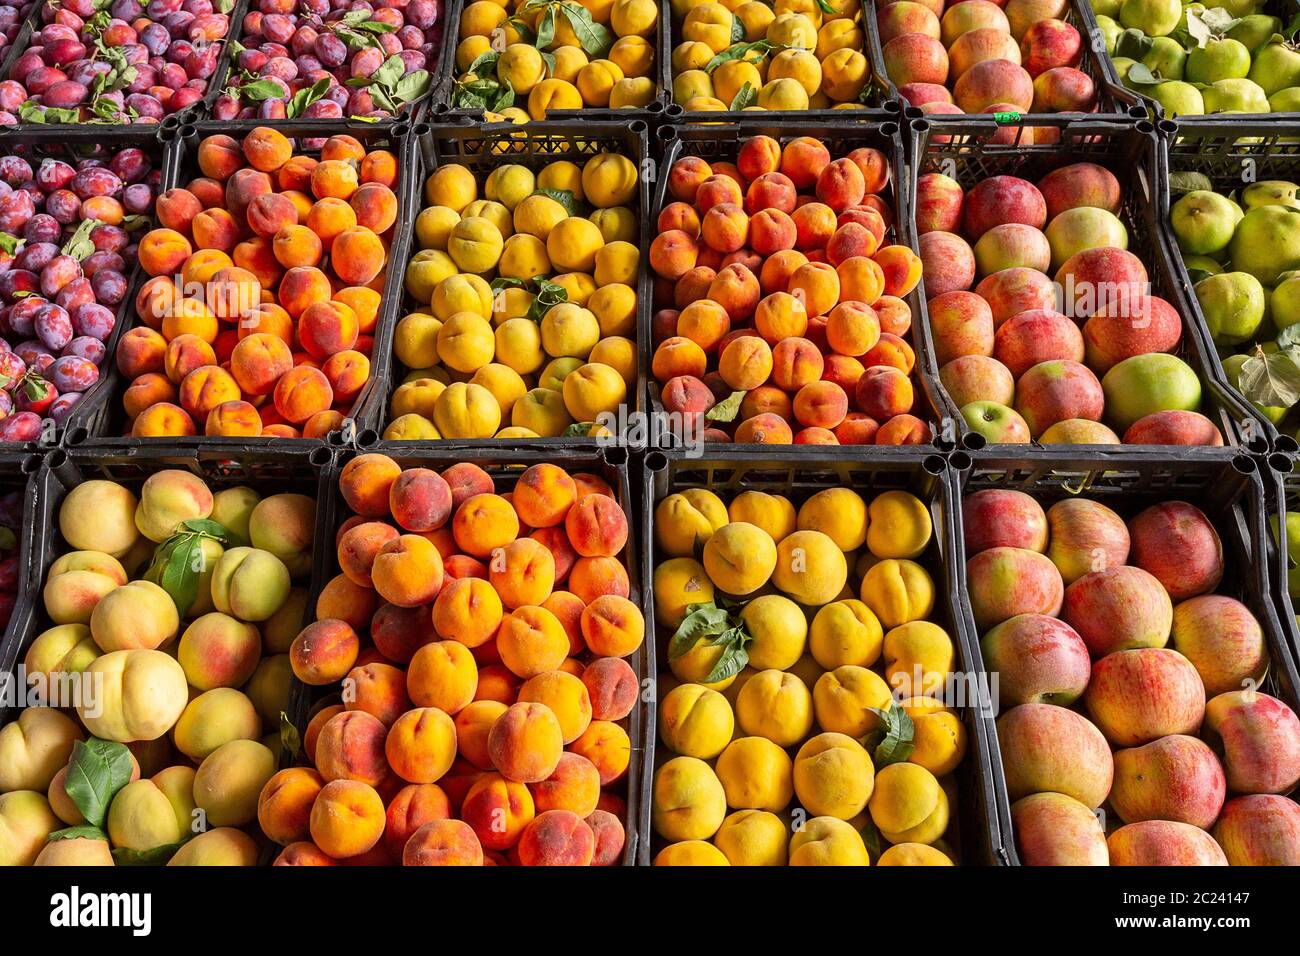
734, 657
177, 564
1196, 275
705, 620
564, 197
80, 245
1133, 44
261, 90
1216, 20
548, 294
727, 409
892, 741
545, 29
578, 430
484, 63
1198, 31
505, 282
742, 51
594, 38
390, 72
1289, 338
290, 739
1186, 181
156, 856
826, 7
745, 97
97, 770
737, 29
83, 832
305, 97
871, 839
1139, 74
1271, 378
11, 245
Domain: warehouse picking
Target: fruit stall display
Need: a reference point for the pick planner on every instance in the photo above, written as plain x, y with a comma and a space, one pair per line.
469, 691
787, 55
521, 308
527, 60
316, 59
784, 290
807, 637
980, 56
267, 279
1147, 695
172, 586
1234, 234
122, 62
1050, 296
74, 206
1189, 59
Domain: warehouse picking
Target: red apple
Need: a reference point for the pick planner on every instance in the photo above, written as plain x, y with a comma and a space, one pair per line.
1118, 609
1039, 335
1173, 778
1037, 660
1055, 830
1176, 542
1001, 199
1050, 748
1004, 582
1259, 830
1223, 640
1002, 518
1055, 391
1139, 695
1259, 737
1163, 843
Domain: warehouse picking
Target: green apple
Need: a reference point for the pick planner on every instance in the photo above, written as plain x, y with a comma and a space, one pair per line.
1166, 57
1107, 8
1084, 227
1233, 306
1284, 301
1276, 67
1110, 31
1203, 221
1219, 59
1232, 370
998, 424
1203, 263
1146, 384
1266, 243
1122, 64
1179, 98
1255, 30
1285, 101
1155, 18
1270, 192
1234, 96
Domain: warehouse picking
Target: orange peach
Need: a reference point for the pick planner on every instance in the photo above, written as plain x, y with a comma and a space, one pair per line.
324, 652
442, 675
525, 743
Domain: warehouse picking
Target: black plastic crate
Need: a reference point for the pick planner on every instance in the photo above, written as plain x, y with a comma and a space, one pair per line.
972, 150
1232, 494
35, 142
101, 422
482, 148
1113, 100
1283, 496
19, 472
442, 107
191, 113
1231, 153
731, 471
220, 465
221, 81
720, 141
879, 99
505, 464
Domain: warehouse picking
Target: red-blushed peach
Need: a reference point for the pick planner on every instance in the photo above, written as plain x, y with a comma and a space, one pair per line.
284, 806
318, 720
379, 689
421, 745
612, 688
526, 742
543, 495
610, 838
366, 483
574, 786
531, 640
324, 652
557, 838
398, 632
303, 853
498, 810
351, 747
443, 843
359, 545
902, 269
605, 744
407, 571
596, 526
347, 818
413, 806
904, 430
442, 675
